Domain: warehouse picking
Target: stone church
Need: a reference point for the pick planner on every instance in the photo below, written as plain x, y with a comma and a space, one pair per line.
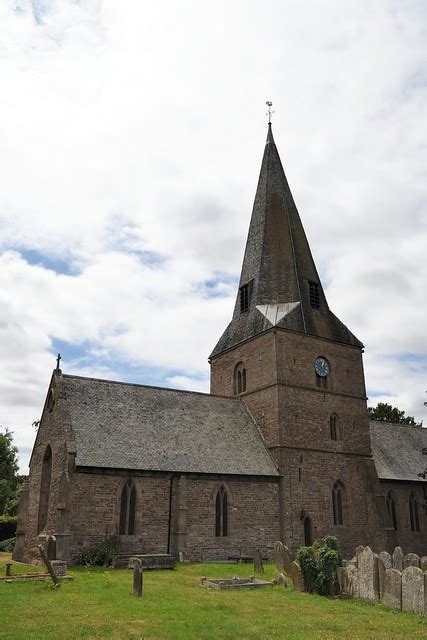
281, 449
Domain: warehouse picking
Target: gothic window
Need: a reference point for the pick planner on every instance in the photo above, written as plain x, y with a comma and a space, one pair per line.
391, 510
314, 295
245, 296
414, 513
308, 539
221, 513
46, 474
334, 427
239, 378
127, 509
338, 503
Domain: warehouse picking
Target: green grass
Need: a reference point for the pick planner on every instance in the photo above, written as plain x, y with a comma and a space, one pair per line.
98, 604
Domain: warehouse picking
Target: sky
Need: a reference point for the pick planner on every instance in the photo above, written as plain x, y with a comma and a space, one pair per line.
131, 142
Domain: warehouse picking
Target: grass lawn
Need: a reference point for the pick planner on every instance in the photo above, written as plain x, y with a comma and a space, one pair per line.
98, 604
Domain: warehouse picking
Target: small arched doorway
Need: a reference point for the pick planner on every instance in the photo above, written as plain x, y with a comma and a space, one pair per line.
308, 538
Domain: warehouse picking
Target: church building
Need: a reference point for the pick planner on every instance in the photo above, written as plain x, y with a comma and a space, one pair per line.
281, 449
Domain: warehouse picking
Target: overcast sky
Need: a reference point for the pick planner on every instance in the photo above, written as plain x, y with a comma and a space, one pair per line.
131, 141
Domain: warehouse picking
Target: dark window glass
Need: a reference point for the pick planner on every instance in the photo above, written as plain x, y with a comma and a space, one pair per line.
391, 510
334, 425
337, 503
239, 378
414, 513
244, 297
221, 513
127, 509
308, 541
314, 295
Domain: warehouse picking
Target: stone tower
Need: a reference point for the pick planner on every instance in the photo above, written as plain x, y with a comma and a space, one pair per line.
299, 370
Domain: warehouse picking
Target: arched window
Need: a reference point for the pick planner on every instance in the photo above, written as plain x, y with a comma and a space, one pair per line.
308, 539
127, 509
338, 494
46, 474
334, 425
414, 515
239, 378
221, 513
390, 501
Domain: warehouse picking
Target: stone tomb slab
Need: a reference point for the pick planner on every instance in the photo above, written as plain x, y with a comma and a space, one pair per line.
236, 583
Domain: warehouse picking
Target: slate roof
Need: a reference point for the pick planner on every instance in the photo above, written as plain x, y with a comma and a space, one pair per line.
397, 451
128, 426
278, 266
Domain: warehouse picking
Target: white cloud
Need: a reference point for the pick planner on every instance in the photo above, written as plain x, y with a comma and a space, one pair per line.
132, 148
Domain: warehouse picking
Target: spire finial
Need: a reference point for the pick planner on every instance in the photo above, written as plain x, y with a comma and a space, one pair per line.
269, 112
58, 360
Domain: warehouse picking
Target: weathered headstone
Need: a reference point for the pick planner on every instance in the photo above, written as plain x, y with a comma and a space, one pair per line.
296, 577
287, 558
387, 559
411, 560
392, 593
279, 556
281, 579
343, 580
368, 575
60, 568
413, 590
423, 563
48, 565
398, 559
353, 581
381, 576
137, 578
359, 550
258, 564
8, 569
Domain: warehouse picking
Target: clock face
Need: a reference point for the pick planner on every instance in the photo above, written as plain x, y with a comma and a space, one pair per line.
322, 366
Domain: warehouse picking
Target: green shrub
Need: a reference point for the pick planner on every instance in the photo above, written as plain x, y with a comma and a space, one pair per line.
319, 566
7, 527
101, 553
7, 546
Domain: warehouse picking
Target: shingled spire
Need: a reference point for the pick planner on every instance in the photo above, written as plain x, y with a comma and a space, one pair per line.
279, 283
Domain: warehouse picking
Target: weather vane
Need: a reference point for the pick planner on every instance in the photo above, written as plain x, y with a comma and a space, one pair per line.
269, 112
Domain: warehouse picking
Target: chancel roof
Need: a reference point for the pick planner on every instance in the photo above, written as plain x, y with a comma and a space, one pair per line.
278, 268
128, 426
397, 451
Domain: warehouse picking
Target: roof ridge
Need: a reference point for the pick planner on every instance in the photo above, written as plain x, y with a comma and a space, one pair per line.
150, 386
397, 424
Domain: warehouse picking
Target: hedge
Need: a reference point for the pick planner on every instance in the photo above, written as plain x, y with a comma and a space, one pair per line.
7, 527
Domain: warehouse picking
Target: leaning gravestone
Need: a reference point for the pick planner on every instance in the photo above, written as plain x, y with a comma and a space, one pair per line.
381, 576
392, 593
258, 564
398, 559
423, 563
413, 590
368, 575
296, 577
411, 560
387, 559
279, 556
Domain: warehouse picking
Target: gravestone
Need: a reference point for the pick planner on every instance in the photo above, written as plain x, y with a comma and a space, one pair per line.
411, 560
258, 564
137, 577
296, 577
359, 550
287, 559
381, 576
60, 568
392, 594
279, 556
281, 579
353, 581
387, 559
343, 580
398, 559
423, 563
413, 590
368, 575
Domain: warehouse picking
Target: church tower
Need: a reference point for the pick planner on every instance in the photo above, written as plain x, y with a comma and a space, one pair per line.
299, 370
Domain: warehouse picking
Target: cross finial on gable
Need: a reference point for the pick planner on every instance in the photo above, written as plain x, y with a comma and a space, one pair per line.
58, 360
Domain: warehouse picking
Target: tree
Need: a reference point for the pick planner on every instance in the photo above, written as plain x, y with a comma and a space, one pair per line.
8, 469
384, 412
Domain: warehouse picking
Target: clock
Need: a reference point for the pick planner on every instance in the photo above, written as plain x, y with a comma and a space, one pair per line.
322, 367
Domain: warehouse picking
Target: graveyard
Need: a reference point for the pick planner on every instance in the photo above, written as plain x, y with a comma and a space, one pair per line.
98, 603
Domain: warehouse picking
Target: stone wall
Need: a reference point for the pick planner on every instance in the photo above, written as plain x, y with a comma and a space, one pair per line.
398, 581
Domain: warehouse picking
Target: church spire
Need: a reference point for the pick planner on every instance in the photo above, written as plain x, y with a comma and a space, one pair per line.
279, 283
